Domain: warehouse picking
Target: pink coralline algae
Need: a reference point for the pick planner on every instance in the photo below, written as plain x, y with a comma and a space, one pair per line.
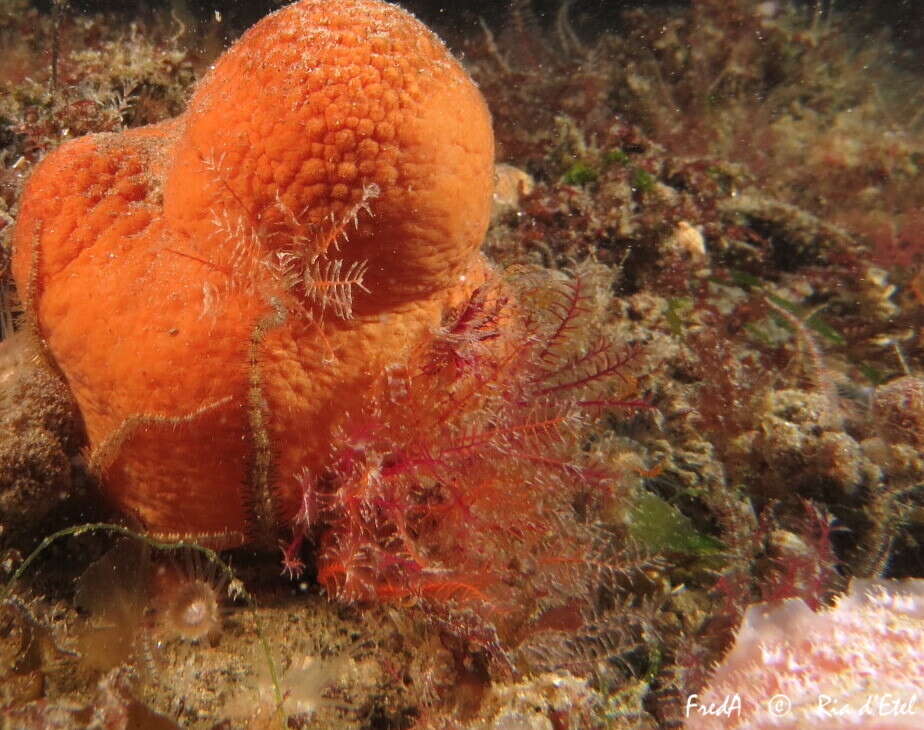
859, 664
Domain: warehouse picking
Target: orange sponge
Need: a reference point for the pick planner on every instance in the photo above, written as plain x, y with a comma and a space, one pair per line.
220, 288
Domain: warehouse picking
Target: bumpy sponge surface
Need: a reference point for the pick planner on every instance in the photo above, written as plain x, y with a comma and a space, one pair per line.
221, 288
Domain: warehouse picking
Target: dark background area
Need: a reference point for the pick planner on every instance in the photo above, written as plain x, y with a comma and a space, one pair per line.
451, 19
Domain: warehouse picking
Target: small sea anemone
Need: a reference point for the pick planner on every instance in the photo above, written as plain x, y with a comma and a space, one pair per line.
187, 595
137, 598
